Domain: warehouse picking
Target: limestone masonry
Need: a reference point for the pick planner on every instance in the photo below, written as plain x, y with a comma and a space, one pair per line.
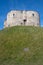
22, 18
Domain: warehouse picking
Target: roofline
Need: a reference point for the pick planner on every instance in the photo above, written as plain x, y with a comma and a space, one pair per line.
24, 10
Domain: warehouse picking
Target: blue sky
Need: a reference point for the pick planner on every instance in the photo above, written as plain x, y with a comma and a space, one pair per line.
8, 5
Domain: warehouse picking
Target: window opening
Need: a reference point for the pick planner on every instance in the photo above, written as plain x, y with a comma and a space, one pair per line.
13, 15
24, 21
33, 14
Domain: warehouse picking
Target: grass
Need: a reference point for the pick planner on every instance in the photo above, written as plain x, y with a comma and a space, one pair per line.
14, 40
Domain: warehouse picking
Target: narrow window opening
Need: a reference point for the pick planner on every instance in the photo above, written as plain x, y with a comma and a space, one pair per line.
13, 15
33, 14
24, 21
21, 23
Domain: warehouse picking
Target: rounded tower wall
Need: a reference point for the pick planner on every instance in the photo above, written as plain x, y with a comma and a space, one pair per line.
29, 18
33, 18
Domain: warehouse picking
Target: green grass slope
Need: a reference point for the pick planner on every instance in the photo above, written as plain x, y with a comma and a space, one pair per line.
21, 46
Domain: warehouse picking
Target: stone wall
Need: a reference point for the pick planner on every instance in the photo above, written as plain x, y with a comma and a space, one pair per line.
18, 18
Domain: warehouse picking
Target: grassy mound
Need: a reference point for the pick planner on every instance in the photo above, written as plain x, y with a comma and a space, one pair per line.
21, 46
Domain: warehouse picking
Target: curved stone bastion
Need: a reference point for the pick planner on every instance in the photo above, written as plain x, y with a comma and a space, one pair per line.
22, 18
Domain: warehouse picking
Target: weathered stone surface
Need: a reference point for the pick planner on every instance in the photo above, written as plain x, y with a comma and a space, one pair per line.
27, 18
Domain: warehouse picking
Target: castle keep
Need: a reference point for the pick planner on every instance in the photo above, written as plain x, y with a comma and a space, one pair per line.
22, 18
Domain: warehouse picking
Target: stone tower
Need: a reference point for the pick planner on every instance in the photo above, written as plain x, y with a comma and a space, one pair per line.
22, 18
